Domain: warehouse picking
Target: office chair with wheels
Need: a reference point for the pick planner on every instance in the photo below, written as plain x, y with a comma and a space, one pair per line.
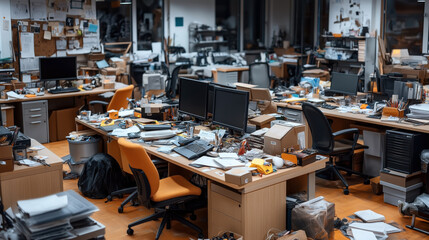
119, 99
171, 85
161, 194
259, 74
324, 142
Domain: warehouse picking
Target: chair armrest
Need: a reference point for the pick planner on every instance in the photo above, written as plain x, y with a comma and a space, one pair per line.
346, 131
355, 132
98, 102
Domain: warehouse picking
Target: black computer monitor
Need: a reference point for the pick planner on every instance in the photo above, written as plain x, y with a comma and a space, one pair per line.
58, 68
193, 98
230, 108
344, 83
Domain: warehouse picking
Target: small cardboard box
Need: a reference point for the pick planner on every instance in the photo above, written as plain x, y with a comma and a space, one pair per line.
279, 138
6, 159
151, 108
297, 235
245, 87
238, 176
260, 94
109, 71
108, 85
400, 179
96, 56
263, 121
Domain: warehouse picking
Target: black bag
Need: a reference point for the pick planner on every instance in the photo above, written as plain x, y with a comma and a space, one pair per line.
100, 176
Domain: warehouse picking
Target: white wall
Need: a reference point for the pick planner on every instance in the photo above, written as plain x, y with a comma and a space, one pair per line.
5, 36
192, 11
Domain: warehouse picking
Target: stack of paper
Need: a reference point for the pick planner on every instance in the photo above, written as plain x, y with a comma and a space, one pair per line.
54, 216
363, 235
378, 228
228, 163
370, 216
419, 111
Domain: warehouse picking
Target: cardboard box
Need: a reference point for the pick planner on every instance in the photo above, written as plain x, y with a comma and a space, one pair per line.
238, 176
267, 107
279, 138
108, 85
400, 179
109, 71
260, 94
96, 56
6, 159
151, 108
263, 121
61, 123
245, 87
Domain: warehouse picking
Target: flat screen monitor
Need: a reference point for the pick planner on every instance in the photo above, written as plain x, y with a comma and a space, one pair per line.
344, 83
193, 98
230, 108
58, 68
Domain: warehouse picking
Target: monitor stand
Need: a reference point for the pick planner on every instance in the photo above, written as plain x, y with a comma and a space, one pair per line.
59, 89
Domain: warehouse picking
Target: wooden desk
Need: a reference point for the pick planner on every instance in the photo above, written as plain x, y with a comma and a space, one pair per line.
48, 96
32, 182
251, 209
227, 69
361, 118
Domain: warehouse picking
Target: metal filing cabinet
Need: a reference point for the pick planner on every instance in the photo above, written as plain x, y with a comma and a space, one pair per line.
292, 115
33, 120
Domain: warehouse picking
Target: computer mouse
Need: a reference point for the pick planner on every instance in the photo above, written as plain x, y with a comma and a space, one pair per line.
213, 154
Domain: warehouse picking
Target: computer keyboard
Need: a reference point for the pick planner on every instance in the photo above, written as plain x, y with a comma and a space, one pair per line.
194, 149
160, 134
328, 106
64, 90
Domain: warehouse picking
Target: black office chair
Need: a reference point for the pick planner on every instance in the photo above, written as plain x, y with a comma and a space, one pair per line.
171, 86
259, 74
324, 143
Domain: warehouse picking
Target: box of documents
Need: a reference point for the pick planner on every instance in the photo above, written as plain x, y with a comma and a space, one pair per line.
300, 158
400, 179
238, 176
279, 138
6, 159
393, 193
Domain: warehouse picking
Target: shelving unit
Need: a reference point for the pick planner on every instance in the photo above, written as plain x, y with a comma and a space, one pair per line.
200, 38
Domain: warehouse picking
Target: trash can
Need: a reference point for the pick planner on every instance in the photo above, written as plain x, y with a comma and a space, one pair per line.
81, 150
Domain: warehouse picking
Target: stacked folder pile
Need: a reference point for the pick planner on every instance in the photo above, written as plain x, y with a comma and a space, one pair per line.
64, 215
256, 139
419, 111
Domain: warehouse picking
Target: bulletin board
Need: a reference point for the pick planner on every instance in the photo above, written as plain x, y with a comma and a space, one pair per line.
53, 11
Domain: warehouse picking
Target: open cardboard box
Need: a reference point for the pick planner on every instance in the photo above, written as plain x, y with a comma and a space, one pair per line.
279, 138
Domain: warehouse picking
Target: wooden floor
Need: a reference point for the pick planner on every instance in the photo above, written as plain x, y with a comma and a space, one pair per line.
360, 198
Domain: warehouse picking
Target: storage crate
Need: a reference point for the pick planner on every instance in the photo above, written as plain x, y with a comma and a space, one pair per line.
393, 193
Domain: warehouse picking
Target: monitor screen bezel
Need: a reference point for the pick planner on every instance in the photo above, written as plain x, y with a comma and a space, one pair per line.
245, 94
56, 79
345, 92
206, 100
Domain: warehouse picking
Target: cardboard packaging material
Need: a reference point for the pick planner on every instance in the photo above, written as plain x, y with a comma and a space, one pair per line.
108, 85
263, 121
400, 179
109, 71
245, 87
260, 94
150, 108
279, 138
238, 176
6, 159
267, 107
297, 235
61, 123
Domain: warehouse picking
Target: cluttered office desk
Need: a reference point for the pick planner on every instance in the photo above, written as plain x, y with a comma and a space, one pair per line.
232, 206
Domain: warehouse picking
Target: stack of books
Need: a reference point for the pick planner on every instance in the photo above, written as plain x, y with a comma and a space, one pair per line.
361, 51
64, 215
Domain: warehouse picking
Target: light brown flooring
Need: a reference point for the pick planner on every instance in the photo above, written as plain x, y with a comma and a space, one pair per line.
360, 198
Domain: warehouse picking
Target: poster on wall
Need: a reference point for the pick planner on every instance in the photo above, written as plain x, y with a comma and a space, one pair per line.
19, 9
349, 16
38, 10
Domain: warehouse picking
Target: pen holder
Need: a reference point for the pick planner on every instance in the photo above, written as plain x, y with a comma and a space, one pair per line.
393, 112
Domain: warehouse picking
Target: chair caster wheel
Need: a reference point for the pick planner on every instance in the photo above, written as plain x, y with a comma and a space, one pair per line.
130, 231
120, 209
366, 181
200, 236
109, 198
346, 191
193, 217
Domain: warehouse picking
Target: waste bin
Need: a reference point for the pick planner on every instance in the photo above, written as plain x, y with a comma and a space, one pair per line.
81, 150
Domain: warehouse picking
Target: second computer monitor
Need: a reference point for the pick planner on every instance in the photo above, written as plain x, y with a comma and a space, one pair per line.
193, 97
230, 108
344, 83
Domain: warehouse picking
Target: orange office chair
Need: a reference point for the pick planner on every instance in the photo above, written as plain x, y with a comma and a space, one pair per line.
119, 99
155, 192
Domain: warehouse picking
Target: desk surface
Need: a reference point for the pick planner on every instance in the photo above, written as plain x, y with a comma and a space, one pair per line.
257, 182
47, 95
364, 119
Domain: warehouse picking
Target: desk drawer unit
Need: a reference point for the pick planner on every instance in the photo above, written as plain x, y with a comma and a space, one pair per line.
292, 115
33, 118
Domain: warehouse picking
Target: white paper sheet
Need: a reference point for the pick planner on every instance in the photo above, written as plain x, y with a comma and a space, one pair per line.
363, 235
38, 206
38, 10
27, 45
61, 44
29, 64
19, 9
47, 35
26, 78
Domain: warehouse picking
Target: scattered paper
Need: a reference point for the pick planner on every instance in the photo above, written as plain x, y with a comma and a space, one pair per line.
377, 227
370, 216
42, 205
229, 163
28, 162
119, 132
206, 161
5, 25
228, 155
61, 44
26, 78
363, 235
27, 45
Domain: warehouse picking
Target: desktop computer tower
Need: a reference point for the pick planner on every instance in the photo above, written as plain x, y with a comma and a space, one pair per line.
402, 151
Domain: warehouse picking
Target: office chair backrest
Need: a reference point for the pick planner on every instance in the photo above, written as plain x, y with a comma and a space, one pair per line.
165, 70
144, 171
119, 99
259, 74
323, 140
170, 90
